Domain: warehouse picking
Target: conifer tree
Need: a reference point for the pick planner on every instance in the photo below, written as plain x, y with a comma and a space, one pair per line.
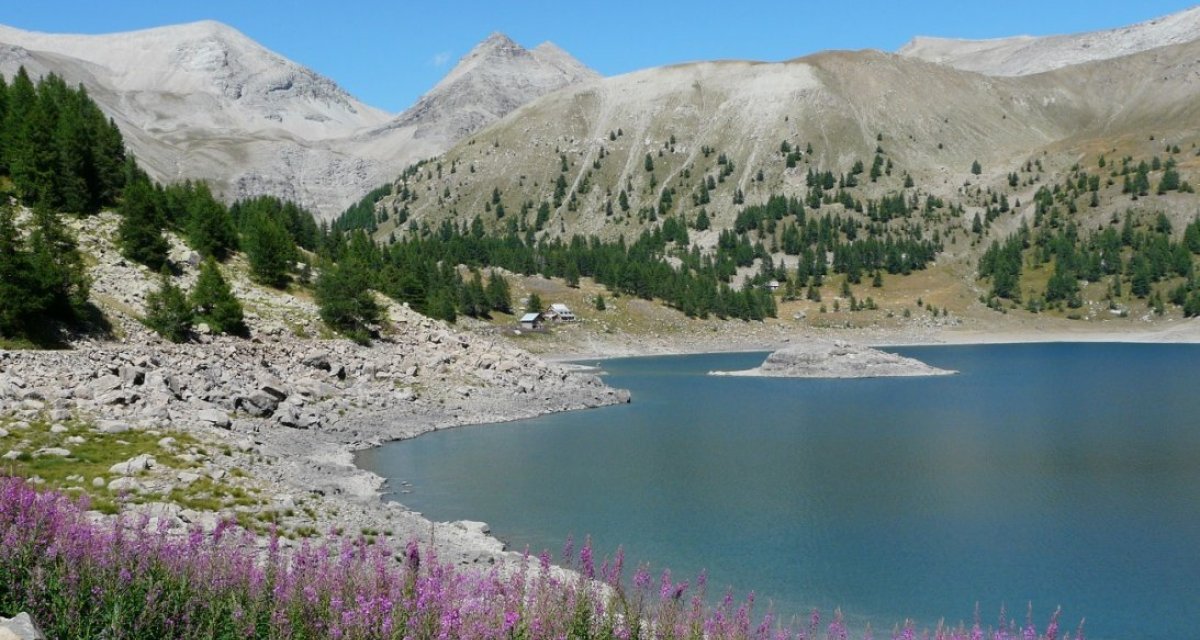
57, 266
345, 301
140, 232
214, 302
498, 295
209, 226
269, 249
168, 311
21, 97
20, 299
534, 304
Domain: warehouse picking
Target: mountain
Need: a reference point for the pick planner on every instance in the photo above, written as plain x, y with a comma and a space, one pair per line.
1024, 55
204, 101
495, 78
668, 147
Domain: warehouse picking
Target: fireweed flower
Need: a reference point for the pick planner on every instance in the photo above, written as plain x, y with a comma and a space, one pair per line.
134, 580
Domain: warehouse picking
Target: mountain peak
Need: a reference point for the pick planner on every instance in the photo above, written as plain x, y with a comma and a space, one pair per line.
497, 76
496, 40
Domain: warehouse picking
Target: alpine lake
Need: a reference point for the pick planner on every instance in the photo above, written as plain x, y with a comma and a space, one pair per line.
1052, 474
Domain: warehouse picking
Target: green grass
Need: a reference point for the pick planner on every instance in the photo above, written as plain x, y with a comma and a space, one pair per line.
94, 457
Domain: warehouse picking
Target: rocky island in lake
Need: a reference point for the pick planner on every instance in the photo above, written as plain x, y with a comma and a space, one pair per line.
836, 359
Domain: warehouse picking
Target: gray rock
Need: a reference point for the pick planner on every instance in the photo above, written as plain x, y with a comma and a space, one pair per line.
132, 376
126, 485
472, 526
317, 360
214, 417
55, 452
274, 388
134, 465
20, 627
259, 404
187, 477
112, 426
113, 398
105, 384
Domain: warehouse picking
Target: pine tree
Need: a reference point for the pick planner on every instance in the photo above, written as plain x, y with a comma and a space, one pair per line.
209, 226
534, 304
57, 266
168, 311
140, 232
22, 96
498, 294
345, 301
269, 249
214, 302
20, 299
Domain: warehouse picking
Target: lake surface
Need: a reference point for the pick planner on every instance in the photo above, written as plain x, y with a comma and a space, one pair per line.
1062, 474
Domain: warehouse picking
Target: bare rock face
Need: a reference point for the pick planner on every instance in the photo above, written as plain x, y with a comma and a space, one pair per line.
494, 79
1024, 55
836, 359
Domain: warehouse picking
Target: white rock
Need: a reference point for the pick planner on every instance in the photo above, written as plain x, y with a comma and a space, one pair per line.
134, 465
215, 417
112, 426
56, 452
126, 485
187, 477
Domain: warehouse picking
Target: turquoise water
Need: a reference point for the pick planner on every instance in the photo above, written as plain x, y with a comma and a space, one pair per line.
1062, 474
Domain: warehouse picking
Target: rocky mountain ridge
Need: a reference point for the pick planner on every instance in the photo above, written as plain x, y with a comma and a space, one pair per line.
1025, 55
203, 101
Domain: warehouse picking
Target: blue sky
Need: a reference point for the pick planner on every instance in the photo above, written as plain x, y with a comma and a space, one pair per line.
389, 53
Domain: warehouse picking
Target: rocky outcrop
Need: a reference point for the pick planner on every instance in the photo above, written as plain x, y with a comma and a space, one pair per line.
836, 359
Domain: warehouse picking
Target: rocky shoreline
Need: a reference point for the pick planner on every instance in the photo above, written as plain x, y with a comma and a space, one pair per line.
289, 415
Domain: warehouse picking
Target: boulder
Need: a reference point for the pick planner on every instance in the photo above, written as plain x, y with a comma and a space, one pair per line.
105, 384
259, 404
126, 485
132, 376
215, 417
20, 627
56, 452
134, 465
112, 426
317, 360
275, 389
